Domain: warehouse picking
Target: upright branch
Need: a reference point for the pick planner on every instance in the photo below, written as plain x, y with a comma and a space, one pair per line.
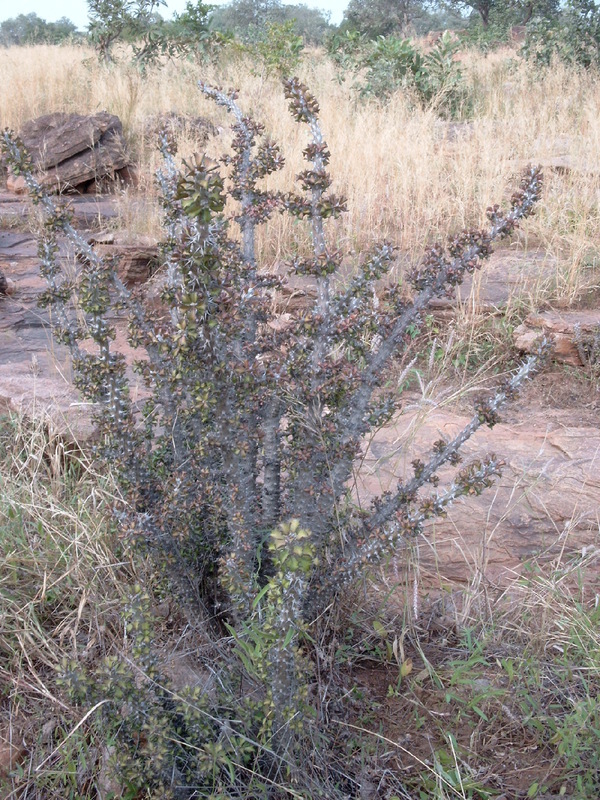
400, 516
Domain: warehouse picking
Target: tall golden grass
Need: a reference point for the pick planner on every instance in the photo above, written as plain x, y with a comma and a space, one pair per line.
408, 175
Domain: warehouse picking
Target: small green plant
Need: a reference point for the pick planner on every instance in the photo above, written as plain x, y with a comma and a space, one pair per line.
577, 741
344, 49
162, 742
441, 81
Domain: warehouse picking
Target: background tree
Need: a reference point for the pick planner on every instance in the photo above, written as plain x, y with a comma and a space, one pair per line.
193, 22
385, 17
247, 19
508, 12
31, 29
544, 9
382, 17
139, 23
572, 36
112, 20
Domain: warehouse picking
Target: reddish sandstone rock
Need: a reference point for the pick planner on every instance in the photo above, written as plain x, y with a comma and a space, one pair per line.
136, 257
509, 273
572, 332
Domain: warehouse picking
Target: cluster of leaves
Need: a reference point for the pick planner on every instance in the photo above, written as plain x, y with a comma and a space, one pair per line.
390, 64
162, 742
572, 36
238, 468
216, 737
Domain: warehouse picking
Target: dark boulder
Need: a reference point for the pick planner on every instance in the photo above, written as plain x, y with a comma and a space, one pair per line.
71, 151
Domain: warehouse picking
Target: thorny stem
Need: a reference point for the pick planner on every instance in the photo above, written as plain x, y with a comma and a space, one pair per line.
247, 198
97, 328
271, 492
375, 549
352, 415
487, 415
392, 523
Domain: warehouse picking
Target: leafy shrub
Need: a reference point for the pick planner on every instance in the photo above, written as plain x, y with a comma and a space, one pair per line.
278, 47
151, 37
162, 742
572, 36
345, 49
238, 468
389, 64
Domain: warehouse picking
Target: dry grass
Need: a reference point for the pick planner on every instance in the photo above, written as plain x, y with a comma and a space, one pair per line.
407, 175
54, 510
63, 575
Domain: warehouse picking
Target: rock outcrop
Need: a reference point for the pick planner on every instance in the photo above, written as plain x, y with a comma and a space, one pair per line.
135, 257
72, 152
575, 335
508, 274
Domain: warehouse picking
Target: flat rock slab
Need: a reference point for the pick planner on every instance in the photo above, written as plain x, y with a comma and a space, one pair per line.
35, 371
136, 257
561, 154
546, 504
35, 375
88, 211
509, 273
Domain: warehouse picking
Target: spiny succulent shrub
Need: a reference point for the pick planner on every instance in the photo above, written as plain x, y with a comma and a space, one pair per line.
161, 742
238, 467
389, 64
